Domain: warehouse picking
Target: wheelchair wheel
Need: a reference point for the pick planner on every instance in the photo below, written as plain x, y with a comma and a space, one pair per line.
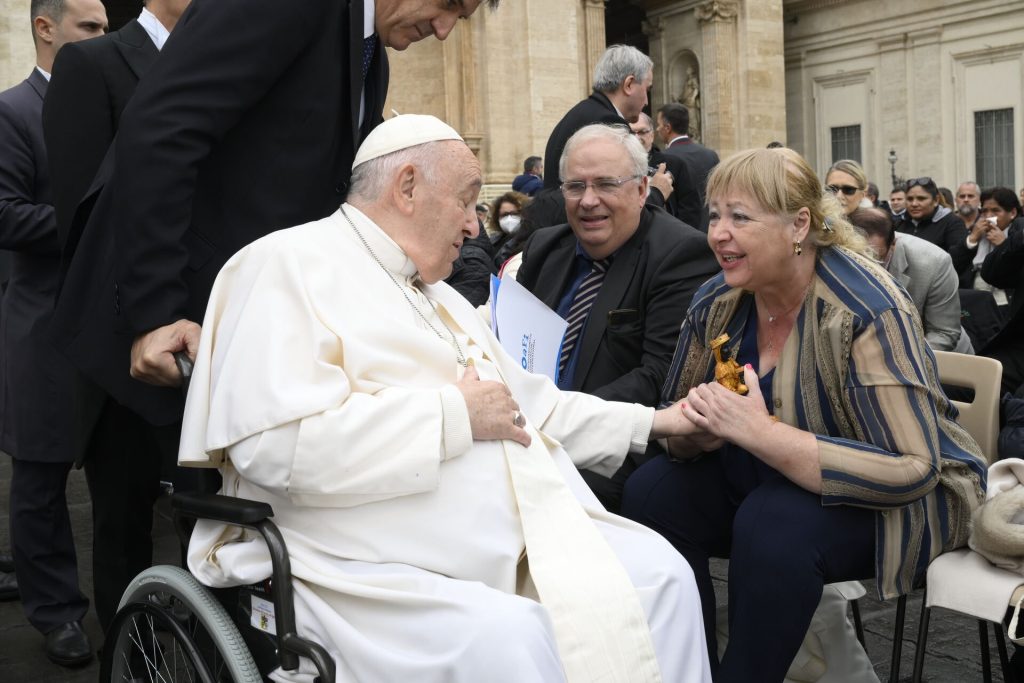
169, 628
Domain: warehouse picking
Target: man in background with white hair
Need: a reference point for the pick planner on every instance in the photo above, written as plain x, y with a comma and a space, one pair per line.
622, 77
423, 481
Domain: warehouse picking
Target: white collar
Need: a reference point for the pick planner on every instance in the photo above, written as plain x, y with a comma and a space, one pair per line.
369, 16
156, 31
678, 137
386, 249
44, 72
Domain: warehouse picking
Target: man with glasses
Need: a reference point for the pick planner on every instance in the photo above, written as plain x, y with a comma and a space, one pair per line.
621, 273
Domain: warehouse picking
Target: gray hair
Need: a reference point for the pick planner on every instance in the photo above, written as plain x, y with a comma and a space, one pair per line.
371, 178
600, 131
618, 62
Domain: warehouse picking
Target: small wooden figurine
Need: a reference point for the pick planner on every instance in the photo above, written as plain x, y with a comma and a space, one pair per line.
728, 372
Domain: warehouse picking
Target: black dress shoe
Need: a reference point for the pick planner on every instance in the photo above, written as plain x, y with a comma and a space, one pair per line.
6, 562
68, 645
8, 586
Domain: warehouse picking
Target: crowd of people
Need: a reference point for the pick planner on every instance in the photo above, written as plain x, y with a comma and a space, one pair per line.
746, 372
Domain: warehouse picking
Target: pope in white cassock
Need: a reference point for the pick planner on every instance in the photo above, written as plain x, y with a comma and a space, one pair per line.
425, 484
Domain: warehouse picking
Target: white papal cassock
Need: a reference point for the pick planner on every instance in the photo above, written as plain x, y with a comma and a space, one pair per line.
318, 389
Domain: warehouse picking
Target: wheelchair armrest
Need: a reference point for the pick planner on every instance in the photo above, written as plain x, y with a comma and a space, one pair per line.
188, 507
221, 508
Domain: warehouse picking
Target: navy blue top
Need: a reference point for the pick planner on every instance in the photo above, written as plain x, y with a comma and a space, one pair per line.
744, 471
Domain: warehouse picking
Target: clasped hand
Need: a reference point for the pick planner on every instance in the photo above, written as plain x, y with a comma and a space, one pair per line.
492, 410
725, 415
153, 352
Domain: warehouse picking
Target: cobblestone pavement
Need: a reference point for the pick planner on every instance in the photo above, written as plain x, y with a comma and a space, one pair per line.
953, 652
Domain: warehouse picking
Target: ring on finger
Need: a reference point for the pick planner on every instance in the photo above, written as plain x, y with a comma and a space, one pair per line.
519, 420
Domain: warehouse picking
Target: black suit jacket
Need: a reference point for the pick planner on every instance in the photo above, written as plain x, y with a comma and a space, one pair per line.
632, 329
35, 380
595, 109
91, 85
699, 160
685, 202
247, 123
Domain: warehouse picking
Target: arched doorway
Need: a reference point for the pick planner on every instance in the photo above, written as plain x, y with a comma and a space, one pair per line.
623, 21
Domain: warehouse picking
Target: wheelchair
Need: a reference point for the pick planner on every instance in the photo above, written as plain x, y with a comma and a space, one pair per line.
169, 627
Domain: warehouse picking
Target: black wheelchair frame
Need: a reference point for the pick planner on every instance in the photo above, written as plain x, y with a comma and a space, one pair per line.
159, 609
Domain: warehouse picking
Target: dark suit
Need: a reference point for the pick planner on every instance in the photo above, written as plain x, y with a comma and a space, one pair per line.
92, 82
699, 160
549, 206
595, 109
685, 202
247, 123
35, 399
631, 331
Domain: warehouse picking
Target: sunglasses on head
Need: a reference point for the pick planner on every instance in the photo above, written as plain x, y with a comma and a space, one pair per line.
922, 181
848, 190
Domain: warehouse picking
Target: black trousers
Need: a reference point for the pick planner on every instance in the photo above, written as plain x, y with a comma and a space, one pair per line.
123, 465
783, 545
43, 545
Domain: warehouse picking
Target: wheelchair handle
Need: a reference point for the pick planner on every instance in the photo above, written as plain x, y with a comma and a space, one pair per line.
185, 366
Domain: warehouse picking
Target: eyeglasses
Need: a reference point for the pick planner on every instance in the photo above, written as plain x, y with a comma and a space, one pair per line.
848, 190
508, 213
643, 131
922, 181
574, 189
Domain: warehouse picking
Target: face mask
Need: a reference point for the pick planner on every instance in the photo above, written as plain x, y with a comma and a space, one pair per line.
509, 223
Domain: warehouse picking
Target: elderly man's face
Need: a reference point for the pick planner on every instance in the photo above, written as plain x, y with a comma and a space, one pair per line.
445, 212
608, 214
400, 23
636, 96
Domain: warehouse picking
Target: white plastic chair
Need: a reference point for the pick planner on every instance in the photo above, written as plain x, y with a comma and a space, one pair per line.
963, 580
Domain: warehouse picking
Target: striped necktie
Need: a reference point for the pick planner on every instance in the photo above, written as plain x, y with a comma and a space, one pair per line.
581, 303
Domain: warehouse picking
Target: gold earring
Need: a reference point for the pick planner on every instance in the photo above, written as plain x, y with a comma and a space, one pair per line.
797, 249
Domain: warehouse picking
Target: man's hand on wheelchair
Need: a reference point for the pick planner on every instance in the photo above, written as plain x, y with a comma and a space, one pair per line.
153, 352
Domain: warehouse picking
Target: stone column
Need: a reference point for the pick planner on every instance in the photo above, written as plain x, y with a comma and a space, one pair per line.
721, 104
661, 90
593, 22
924, 90
892, 87
461, 87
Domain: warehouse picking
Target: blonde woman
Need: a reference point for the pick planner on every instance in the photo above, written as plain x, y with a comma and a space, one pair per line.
848, 182
842, 461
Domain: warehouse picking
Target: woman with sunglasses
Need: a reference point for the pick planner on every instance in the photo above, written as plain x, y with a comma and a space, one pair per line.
925, 218
848, 182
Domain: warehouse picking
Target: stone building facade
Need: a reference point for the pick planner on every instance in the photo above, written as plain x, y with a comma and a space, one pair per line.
938, 82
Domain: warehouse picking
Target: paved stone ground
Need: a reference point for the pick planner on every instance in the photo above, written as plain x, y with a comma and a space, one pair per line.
953, 652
